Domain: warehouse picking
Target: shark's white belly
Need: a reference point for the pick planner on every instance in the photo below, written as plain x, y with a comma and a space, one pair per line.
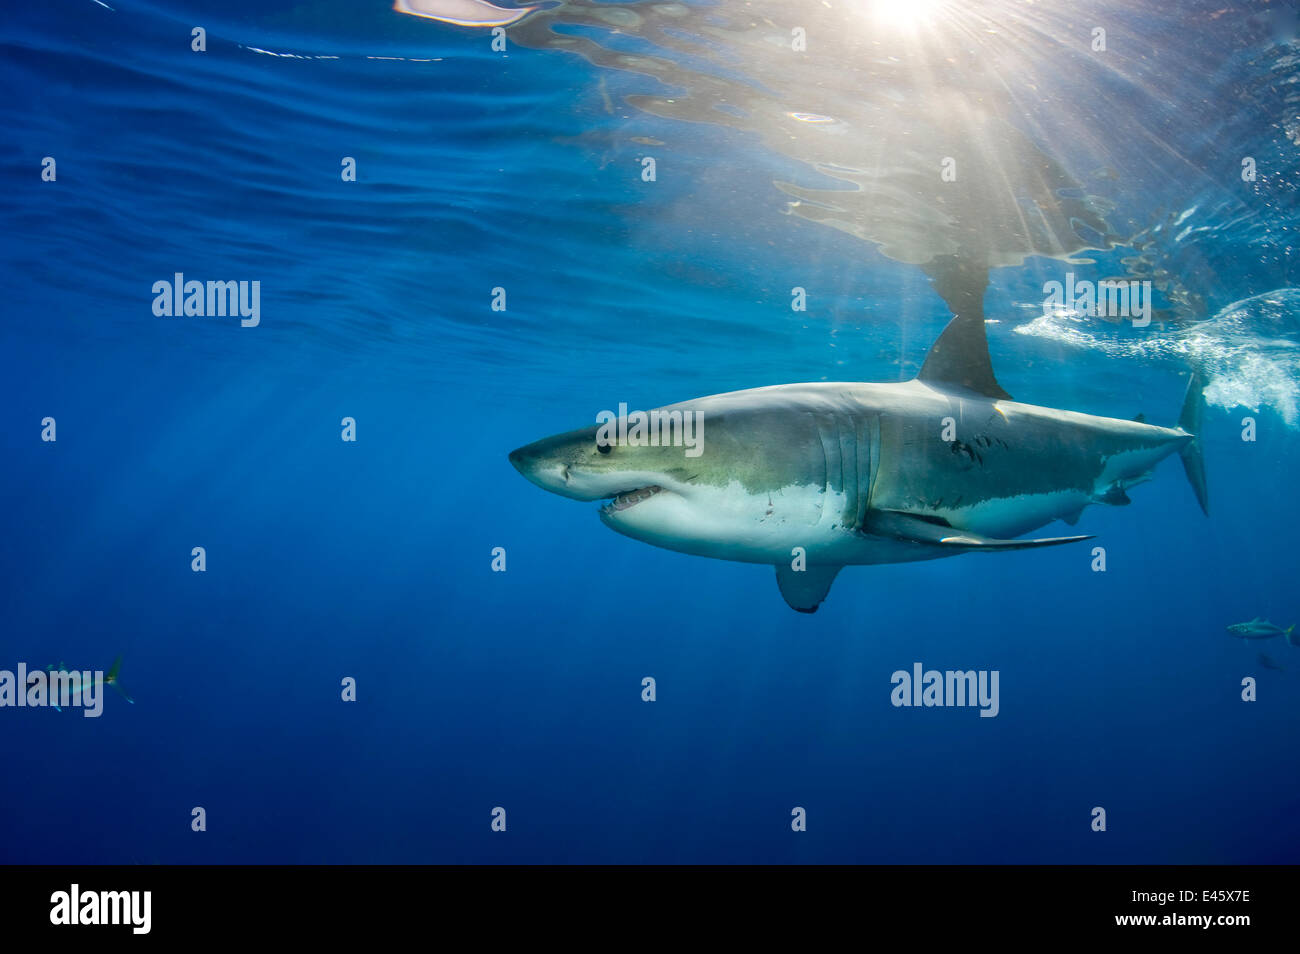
1012, 516
732, 523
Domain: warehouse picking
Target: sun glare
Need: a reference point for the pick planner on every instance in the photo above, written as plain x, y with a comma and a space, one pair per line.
903, 14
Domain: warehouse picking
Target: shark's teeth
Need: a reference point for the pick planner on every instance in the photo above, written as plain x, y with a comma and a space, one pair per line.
630, 498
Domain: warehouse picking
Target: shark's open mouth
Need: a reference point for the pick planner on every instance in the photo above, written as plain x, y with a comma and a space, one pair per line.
630, 498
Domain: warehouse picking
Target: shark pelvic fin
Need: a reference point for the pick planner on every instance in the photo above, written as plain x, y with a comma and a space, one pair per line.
960, 356
904, 526
805, 589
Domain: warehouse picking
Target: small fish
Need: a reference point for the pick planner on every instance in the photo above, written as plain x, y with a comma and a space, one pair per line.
1269, 663
1262, 629
110, 679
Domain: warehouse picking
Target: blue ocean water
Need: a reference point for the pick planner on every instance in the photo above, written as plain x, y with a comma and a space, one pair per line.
523, 169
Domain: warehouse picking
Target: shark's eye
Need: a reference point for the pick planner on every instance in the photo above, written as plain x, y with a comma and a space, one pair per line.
603, 447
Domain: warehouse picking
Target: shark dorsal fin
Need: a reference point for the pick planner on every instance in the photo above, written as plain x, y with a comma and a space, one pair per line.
960, 356
960, 359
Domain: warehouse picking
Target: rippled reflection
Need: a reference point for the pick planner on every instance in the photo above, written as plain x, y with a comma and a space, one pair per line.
866, 95
964, 136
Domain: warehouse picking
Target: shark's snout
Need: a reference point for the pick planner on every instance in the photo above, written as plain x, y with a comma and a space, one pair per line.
544, 467
532, 464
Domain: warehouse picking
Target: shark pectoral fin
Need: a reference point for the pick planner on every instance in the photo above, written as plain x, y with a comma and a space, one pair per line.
805, 589
903, 526
973, 541
1073, 518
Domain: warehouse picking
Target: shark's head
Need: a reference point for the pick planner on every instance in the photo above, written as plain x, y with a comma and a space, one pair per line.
749, 493
646, 486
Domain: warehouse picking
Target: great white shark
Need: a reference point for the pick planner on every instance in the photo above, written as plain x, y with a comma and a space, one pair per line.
811, 478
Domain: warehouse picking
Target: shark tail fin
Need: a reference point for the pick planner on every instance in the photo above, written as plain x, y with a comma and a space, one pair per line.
1190, 421
111, 679
1290, 635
